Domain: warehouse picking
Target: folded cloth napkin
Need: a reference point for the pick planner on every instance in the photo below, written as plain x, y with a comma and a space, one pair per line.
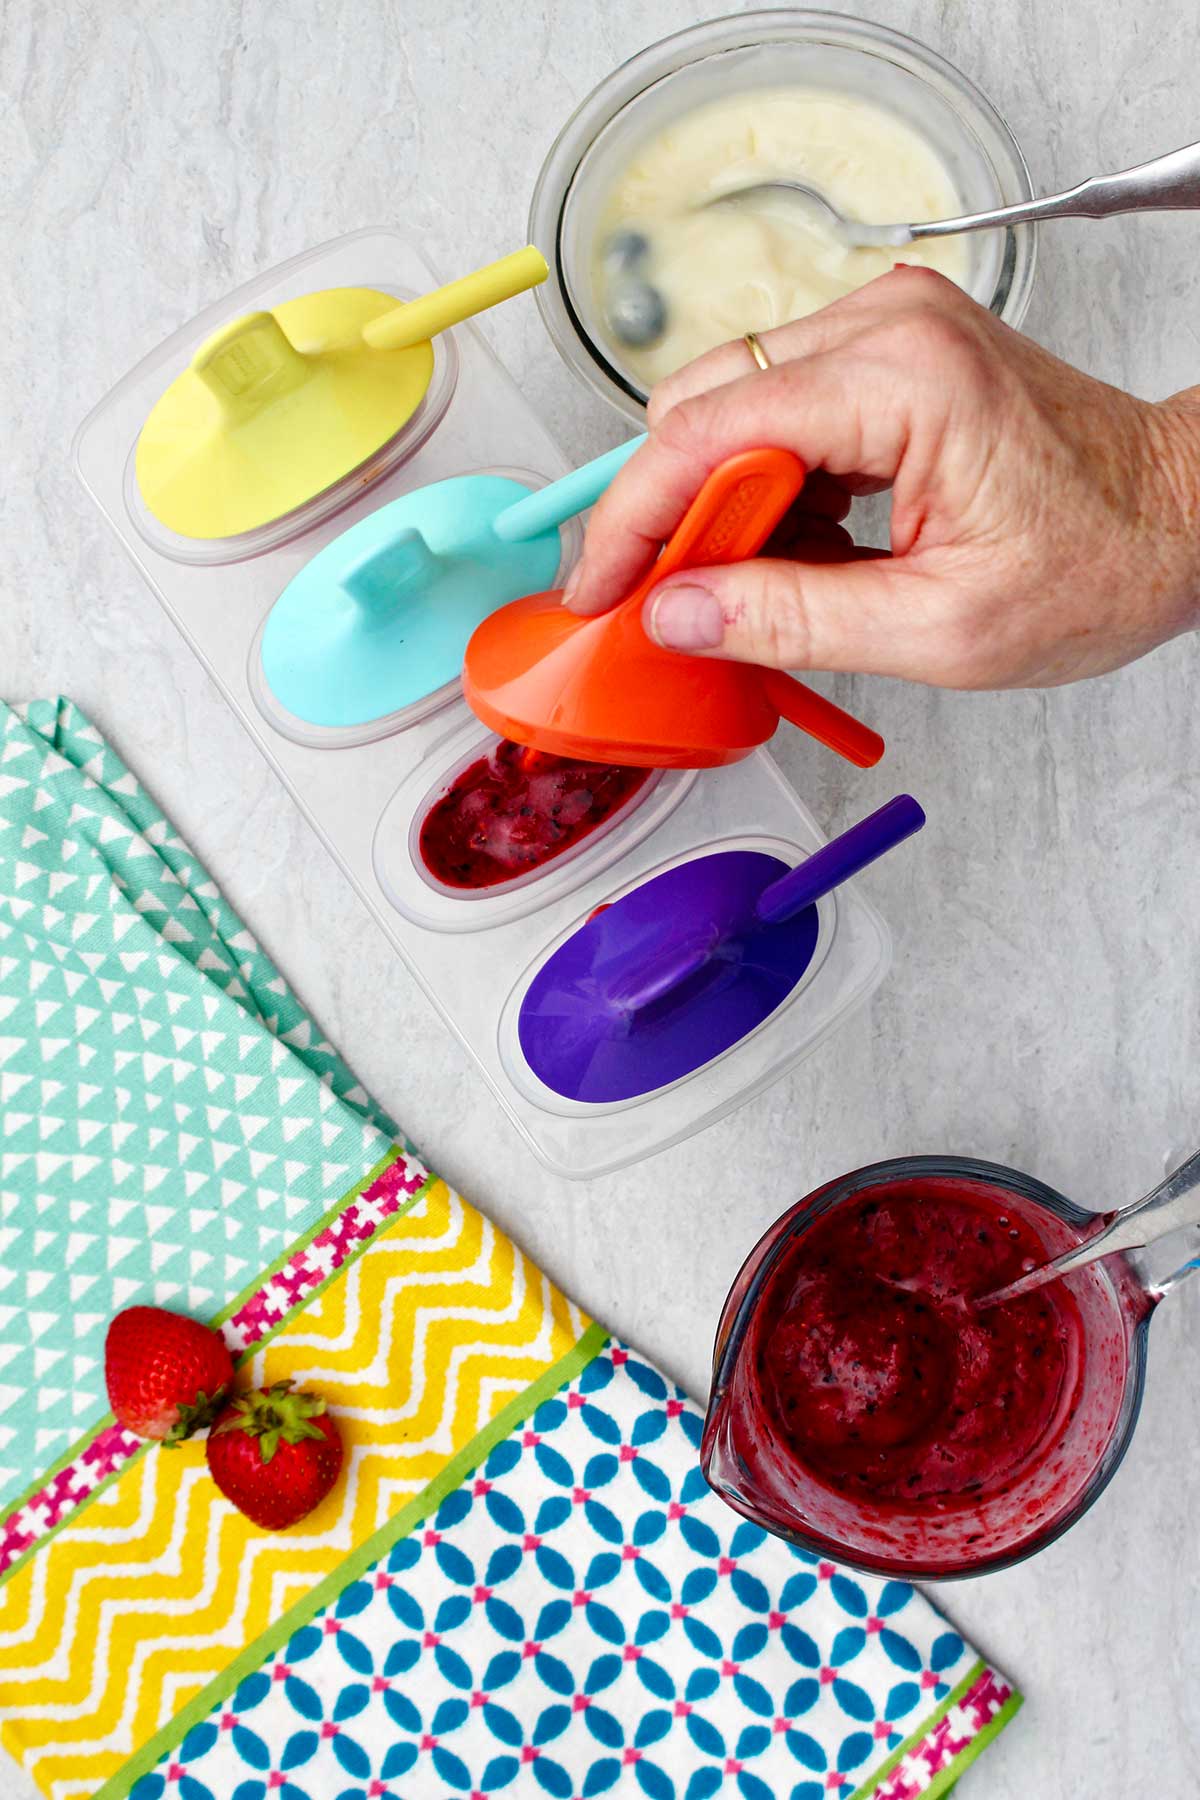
520, 1583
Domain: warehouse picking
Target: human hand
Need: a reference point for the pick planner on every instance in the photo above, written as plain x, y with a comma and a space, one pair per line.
1045, 526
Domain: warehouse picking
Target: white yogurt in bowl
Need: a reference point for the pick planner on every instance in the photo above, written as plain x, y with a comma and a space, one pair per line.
713, 272
885, 126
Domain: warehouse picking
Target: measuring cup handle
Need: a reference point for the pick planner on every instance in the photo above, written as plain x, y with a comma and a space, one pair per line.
1163, 1227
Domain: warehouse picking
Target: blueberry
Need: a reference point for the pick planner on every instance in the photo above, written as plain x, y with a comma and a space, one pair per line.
637, 313
625, 250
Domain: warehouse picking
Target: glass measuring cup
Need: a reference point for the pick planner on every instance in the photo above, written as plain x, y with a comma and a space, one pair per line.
749, 1461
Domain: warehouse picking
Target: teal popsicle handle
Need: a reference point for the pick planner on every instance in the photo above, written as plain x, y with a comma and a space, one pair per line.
554, 505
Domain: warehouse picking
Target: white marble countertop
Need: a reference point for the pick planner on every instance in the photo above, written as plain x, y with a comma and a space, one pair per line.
1043, 1010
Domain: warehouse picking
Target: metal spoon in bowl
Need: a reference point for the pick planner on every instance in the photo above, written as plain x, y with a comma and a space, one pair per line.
1172, 1206
1170, 183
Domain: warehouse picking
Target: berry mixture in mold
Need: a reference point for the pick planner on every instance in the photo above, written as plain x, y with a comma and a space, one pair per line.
882, 1380
514, 810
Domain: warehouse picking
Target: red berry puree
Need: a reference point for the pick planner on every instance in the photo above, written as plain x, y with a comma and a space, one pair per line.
873, 1412
516, 809
884, 1382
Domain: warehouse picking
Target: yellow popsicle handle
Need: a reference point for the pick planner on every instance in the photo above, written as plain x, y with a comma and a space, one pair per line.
418, 320
248, 363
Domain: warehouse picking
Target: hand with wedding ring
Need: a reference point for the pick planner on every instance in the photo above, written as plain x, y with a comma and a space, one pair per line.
1044, 526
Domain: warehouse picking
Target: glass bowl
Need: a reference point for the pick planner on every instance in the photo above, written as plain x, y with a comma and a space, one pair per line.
759, 50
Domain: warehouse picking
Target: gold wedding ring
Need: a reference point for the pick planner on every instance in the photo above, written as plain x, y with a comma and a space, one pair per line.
756, 350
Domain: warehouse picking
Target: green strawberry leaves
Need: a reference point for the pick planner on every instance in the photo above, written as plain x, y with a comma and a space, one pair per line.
275, 1415
198, 1416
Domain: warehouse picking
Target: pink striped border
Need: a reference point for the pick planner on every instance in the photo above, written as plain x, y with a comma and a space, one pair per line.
947, 1740
112, 1446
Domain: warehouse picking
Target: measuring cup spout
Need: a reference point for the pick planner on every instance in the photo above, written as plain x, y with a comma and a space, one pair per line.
1152, 1234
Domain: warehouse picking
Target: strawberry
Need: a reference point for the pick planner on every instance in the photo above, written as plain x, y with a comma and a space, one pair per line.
167, 1375
275, 1454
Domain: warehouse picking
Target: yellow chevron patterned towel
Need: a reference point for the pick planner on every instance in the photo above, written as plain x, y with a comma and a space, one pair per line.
520, 1582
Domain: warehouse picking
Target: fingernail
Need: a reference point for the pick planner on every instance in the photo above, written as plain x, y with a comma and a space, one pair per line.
685, 617
573, 580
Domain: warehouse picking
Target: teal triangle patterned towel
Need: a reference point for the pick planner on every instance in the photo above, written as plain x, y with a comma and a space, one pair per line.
149, 1052
521, 1584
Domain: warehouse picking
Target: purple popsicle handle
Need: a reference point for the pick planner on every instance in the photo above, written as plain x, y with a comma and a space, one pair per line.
660, 978
837, 861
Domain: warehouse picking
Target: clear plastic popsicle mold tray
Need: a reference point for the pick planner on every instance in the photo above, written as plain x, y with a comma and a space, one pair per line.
474, 953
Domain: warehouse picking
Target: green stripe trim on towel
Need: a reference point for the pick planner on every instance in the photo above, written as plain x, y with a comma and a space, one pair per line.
452, 1476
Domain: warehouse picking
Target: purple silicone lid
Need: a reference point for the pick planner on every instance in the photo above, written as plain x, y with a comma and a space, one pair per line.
677, 972
651, 988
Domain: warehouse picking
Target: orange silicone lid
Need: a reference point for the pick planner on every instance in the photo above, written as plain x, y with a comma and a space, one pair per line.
600, 690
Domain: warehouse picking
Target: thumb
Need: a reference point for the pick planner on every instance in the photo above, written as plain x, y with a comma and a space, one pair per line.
864, 612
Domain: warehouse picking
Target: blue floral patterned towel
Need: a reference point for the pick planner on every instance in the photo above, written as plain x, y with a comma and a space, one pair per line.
582, 1616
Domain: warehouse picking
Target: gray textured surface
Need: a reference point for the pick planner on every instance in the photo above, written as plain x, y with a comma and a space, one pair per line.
1043, 1010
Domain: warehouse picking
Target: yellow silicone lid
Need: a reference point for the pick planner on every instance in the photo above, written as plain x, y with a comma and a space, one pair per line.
279, 406
275, 408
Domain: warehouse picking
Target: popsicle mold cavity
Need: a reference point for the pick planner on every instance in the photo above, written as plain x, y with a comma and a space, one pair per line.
531, 883
514, 810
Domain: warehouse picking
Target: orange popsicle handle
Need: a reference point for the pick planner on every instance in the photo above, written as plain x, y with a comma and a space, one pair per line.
821, 719
732, 516
730, 520
600, 689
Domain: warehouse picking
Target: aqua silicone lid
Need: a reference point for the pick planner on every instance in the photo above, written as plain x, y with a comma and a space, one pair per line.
380, 618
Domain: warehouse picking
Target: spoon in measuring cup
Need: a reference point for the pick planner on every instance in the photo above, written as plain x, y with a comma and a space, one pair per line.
1169, 183
1172, 1205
